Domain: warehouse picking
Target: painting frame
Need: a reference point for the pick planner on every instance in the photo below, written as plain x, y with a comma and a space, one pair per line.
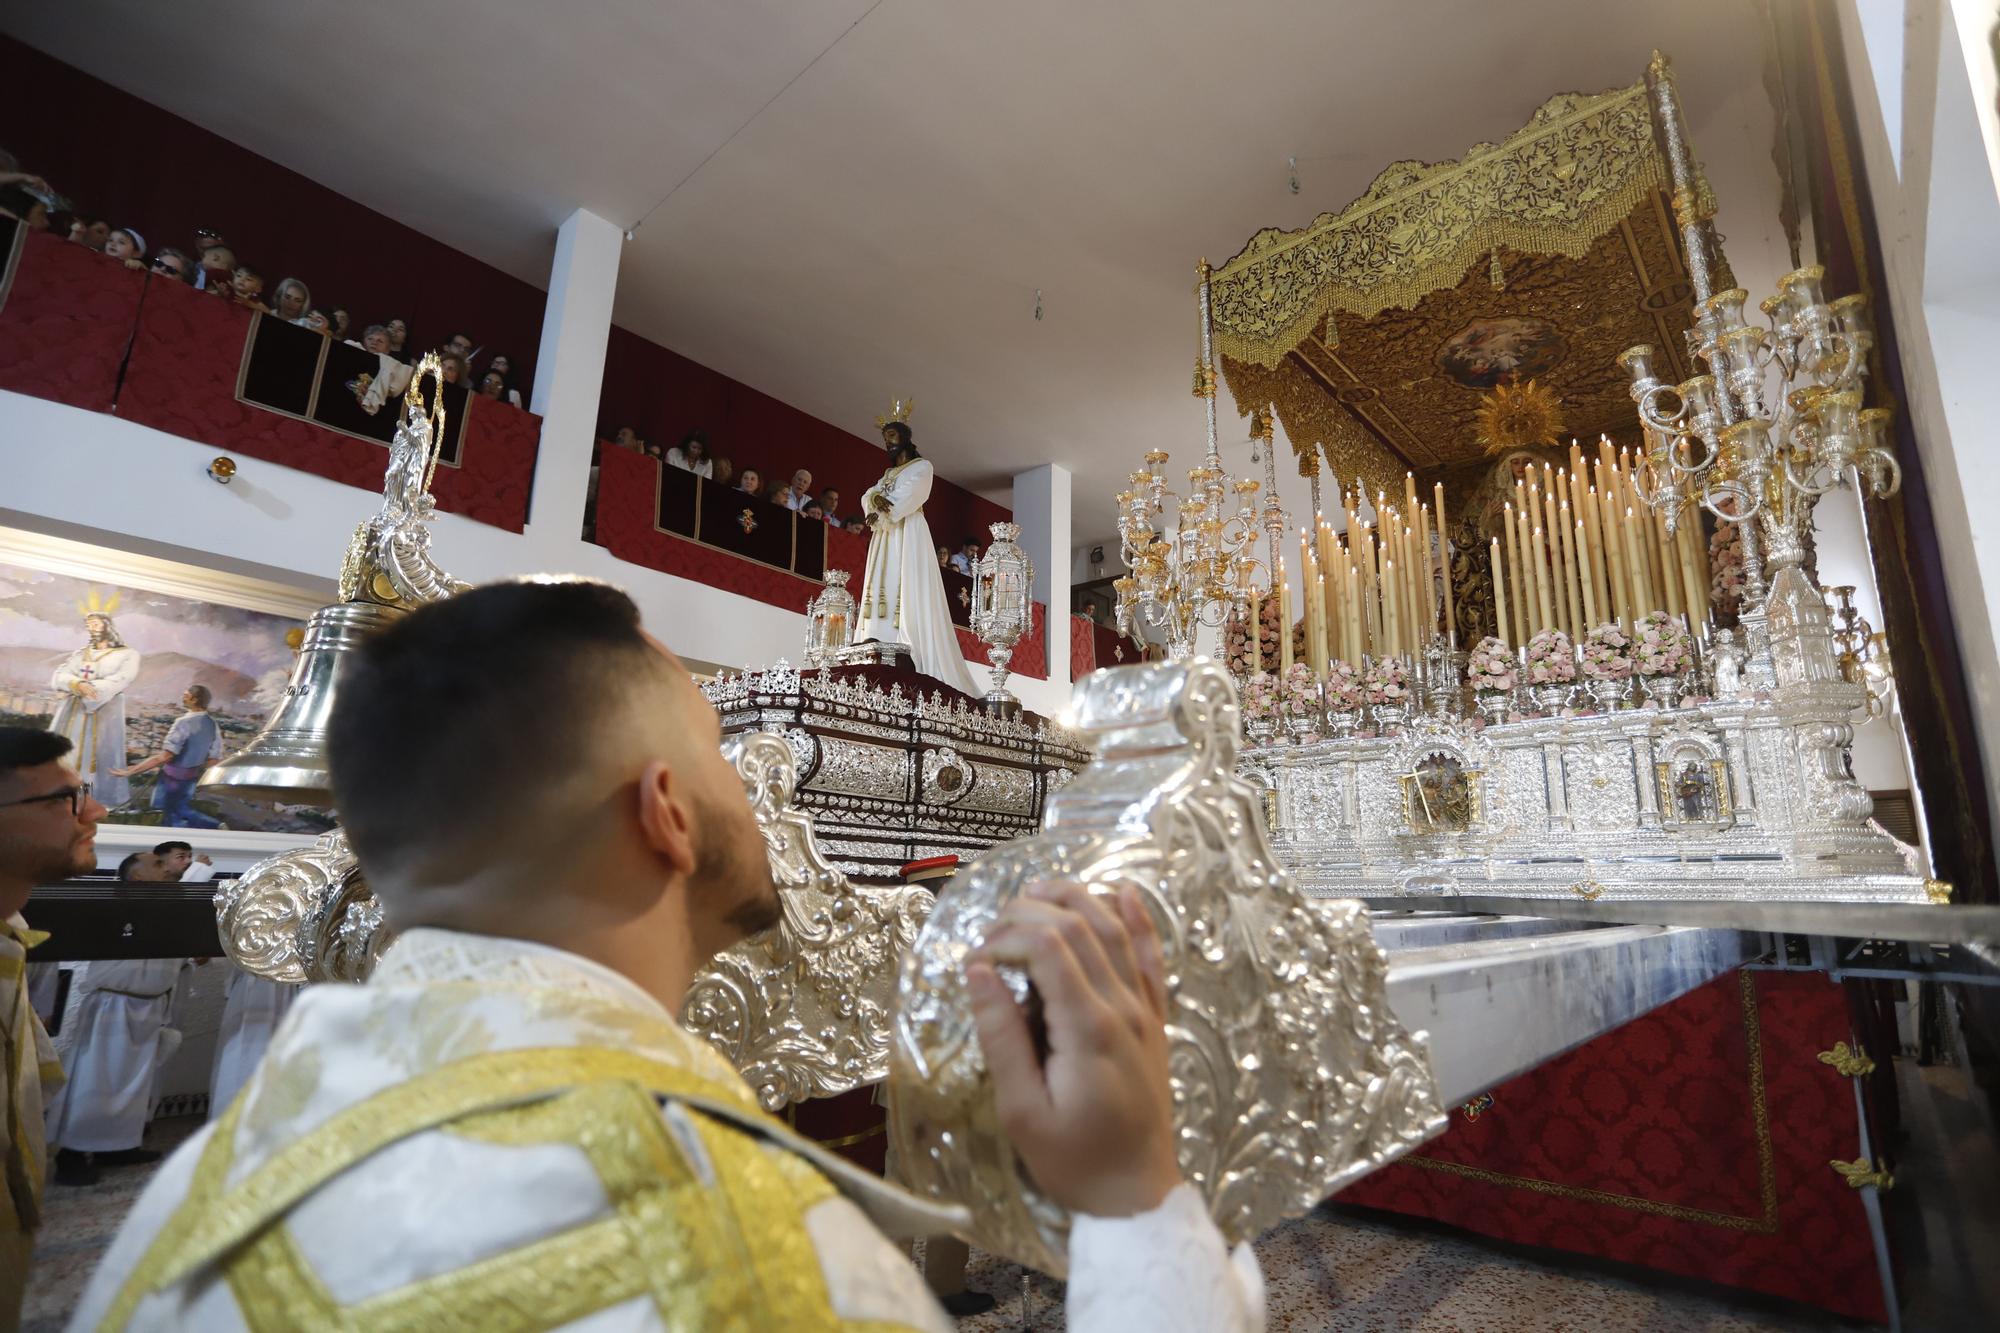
230, 849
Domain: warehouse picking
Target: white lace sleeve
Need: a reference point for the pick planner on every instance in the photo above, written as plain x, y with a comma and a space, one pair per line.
1166, 1271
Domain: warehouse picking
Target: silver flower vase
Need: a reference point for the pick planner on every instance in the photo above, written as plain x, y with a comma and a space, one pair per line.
1493, 705
1550, 699
1666, 689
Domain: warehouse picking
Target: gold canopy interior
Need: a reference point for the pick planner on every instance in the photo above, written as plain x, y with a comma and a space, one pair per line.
1375, 331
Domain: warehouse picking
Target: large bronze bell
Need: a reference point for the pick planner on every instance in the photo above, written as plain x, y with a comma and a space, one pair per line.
287, 759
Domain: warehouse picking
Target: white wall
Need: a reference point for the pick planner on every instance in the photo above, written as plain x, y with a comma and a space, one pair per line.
1923, 91
96, 478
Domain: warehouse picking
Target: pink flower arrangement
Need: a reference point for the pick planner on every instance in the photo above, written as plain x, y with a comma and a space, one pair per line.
1607, 653
1551, 660
1490, 666
1663, 645
1726, 579
1260, 697
1236, 638
1343, 685
1386, 682
1301, 689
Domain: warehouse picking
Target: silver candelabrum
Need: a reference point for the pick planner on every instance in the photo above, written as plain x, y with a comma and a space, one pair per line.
1775, 422
1200, 574
1002, 606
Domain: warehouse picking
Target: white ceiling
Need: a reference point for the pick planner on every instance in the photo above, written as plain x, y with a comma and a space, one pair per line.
861, 199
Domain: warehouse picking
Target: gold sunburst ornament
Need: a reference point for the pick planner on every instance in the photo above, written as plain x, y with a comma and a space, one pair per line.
1516, 416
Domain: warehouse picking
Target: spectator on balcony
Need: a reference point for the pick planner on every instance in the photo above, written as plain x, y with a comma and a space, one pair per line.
691, 455
246, 287
218, 263
173, 264
375, 338
799, 493
829, 504
968, 551
319, 321
399, 334
462, 344
341, 321
126, 246
813, 511
291, 301
751, 482
627, 438
505, 365
652, 449
89, 232
944, 557
493, 385
452, 366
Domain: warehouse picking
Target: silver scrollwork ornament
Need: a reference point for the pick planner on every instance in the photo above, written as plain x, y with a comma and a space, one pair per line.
802, 1009
1290, 1075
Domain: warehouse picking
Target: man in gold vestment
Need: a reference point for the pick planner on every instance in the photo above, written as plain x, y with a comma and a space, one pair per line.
48, 831
506, 1128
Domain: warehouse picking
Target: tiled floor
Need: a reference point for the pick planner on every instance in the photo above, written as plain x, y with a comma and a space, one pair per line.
1366, 1273
78, 1226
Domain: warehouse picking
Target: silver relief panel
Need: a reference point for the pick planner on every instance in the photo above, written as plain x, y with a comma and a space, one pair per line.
1290, 1074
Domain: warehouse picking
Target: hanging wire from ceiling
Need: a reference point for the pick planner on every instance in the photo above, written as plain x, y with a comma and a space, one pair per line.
807, 68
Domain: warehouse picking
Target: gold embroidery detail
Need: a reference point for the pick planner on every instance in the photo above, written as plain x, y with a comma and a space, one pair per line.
1861, 1173
669, 1234
1587, 889
472, 1084
1938, 891
1852, 1063
1582, 162
769, 1212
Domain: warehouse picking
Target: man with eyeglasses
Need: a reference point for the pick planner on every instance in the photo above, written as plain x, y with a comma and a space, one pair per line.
48, 831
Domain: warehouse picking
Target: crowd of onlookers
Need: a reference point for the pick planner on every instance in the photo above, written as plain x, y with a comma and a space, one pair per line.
210, 264
692, 455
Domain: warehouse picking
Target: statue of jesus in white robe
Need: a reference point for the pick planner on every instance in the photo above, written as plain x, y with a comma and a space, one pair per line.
92, 712
902, 591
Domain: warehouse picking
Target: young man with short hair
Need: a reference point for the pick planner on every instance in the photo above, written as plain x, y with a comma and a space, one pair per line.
48, 832
829, 505
508, 1123
966, 556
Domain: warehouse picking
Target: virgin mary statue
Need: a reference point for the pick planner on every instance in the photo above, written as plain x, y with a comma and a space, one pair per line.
902, 590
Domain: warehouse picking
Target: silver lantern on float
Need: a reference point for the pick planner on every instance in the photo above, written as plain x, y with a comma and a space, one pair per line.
829, 620
1003, 581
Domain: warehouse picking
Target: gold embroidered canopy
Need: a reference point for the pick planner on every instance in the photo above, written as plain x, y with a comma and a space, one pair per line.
1376, 331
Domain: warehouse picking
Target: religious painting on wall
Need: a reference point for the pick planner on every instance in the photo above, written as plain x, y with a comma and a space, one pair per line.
132, 672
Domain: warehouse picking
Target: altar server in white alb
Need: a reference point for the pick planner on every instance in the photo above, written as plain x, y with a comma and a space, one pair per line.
92, 681
902, 592
507, 1128
117, 1038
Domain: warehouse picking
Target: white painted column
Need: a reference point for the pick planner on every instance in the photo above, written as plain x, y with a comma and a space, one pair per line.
1041, 507
569, 372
